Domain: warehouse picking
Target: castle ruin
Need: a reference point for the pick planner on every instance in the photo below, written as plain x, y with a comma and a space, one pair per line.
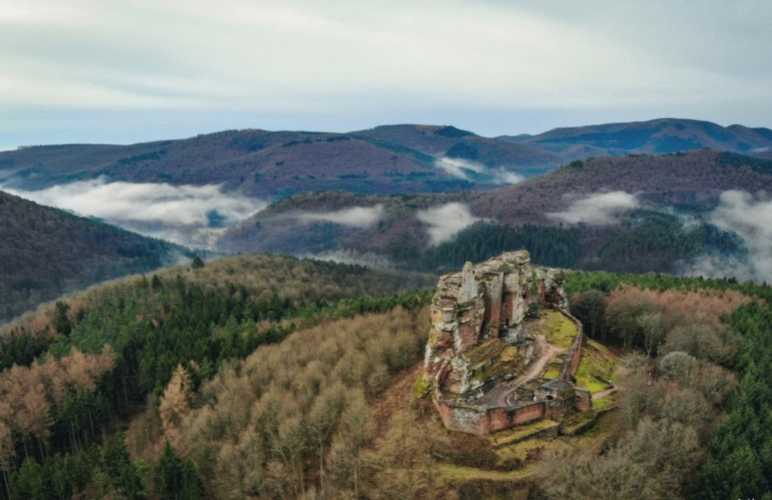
503, 349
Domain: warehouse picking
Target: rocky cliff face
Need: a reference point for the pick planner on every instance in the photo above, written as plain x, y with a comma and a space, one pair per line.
503, 348
486, 302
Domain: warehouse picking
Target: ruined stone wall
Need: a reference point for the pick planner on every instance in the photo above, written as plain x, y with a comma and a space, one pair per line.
471, 420
484, 421
525, 414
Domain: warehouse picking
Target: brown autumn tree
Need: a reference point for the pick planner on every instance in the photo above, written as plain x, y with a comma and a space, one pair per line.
30, 395
175, 404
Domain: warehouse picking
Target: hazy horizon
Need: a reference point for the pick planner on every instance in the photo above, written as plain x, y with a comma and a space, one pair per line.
192, 133
111, 72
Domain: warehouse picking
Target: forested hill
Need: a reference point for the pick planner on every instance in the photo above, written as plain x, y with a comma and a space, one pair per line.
635, 213
45, 252
266, 164
74, 372
275, 377
692, 180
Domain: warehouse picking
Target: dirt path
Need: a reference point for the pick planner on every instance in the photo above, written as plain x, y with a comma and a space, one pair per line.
504, 393
548, 351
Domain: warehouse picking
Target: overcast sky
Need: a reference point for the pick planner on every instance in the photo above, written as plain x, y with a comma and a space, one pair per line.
131, 70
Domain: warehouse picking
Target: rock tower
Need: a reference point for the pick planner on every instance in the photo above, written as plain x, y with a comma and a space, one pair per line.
503, 348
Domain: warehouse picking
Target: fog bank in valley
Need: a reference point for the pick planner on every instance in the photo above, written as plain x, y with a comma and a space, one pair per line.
445, 221
472, 170
189, 215
597, 209
358, 217
750, 217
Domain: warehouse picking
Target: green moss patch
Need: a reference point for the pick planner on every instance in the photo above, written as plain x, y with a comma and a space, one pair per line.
578, 423
459, 473
422, 386
604, 404
483, 352
557, 328
553, 370
596, 367
493, 359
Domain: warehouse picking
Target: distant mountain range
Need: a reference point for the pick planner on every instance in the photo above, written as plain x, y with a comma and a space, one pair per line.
391, 159
45, 252
661, 136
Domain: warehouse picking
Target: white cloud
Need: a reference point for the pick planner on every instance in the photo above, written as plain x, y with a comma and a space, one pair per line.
751, 218
359, 217
599, 209
715, 266
469, 170
458, 167
445, 221
317, 59
190, 215
348, 256
503, 176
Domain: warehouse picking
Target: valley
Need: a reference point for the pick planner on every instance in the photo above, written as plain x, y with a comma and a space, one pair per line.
385, 250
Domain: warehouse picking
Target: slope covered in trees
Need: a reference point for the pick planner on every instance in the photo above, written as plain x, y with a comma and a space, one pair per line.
263, 377
45, 252
99, 355
631, 214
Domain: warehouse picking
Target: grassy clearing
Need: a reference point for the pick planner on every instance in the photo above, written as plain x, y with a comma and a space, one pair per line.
522, 451
517, 434
553, 370
596, 368
579, 423
460, 473
558, 329
604, 403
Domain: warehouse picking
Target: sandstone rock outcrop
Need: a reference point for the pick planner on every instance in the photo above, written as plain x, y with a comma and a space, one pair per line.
503, 347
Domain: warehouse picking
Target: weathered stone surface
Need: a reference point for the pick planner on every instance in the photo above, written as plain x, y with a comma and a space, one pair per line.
481, 353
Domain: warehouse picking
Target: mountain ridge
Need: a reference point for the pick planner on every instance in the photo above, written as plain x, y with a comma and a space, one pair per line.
386, 159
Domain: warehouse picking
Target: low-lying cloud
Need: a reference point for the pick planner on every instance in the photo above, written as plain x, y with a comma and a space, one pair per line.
358, 217
474, 171
189, 215
445, 221
349, 256
751, 218
598, 209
